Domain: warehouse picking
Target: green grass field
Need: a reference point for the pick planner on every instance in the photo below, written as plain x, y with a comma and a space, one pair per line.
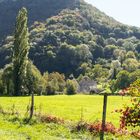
69, 107
66, 107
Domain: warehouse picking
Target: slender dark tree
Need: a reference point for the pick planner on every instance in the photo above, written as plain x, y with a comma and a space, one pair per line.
20, 51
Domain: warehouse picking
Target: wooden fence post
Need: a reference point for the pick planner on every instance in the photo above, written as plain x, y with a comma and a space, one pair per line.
32, 106
104, 117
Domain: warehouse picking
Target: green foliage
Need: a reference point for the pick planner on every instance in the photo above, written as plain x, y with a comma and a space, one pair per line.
131, 64
72, 87
134, 76
34, 81
76, 35
130, 54
130, 114
20, 51
55, 83
7, 80
122, 81
39, 11
78, 40
1, 83
109, 49
138, 47
134, 89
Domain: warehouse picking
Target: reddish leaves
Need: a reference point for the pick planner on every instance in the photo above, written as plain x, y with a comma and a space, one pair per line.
51, 119
130, 116
97, 126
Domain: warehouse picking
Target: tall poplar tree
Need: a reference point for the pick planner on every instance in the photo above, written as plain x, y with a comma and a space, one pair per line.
20, 51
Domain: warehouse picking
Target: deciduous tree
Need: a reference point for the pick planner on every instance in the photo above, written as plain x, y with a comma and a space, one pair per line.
20, 51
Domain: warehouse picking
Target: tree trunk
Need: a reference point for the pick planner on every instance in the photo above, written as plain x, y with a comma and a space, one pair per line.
103, 117
17, 86
32, 106
8, 89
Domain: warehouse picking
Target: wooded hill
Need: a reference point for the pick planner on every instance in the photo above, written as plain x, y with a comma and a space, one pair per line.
38, 10
69, 36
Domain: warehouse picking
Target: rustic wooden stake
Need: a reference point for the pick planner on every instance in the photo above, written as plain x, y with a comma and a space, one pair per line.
32, 106
104, 117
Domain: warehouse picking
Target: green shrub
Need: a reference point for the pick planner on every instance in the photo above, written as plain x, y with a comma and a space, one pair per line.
52, 87
71, 87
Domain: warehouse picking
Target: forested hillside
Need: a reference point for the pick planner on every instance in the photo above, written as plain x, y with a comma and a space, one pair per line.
71, 37
39, 10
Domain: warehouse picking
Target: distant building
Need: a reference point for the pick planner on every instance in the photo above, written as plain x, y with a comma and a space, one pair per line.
86, 85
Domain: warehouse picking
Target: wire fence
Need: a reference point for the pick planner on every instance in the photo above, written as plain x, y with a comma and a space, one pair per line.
68, 113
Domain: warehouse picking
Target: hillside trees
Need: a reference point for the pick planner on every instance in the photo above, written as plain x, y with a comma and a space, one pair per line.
122, 80
109, 49
75, 41
7, 76
138, 47
20, 52
1, 83
55, 83
98, 73
34, 81
72, 86
58, 43
131, 64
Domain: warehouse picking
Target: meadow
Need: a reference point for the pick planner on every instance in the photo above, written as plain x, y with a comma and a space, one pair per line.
70, 108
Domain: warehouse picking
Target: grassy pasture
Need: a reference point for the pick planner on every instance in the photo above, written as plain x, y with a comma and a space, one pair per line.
66, 107
69, 107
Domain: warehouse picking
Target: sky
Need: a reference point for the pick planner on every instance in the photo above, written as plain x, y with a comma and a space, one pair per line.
124, 11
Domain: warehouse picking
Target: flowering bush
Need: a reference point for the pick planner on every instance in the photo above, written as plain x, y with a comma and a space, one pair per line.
130, 115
